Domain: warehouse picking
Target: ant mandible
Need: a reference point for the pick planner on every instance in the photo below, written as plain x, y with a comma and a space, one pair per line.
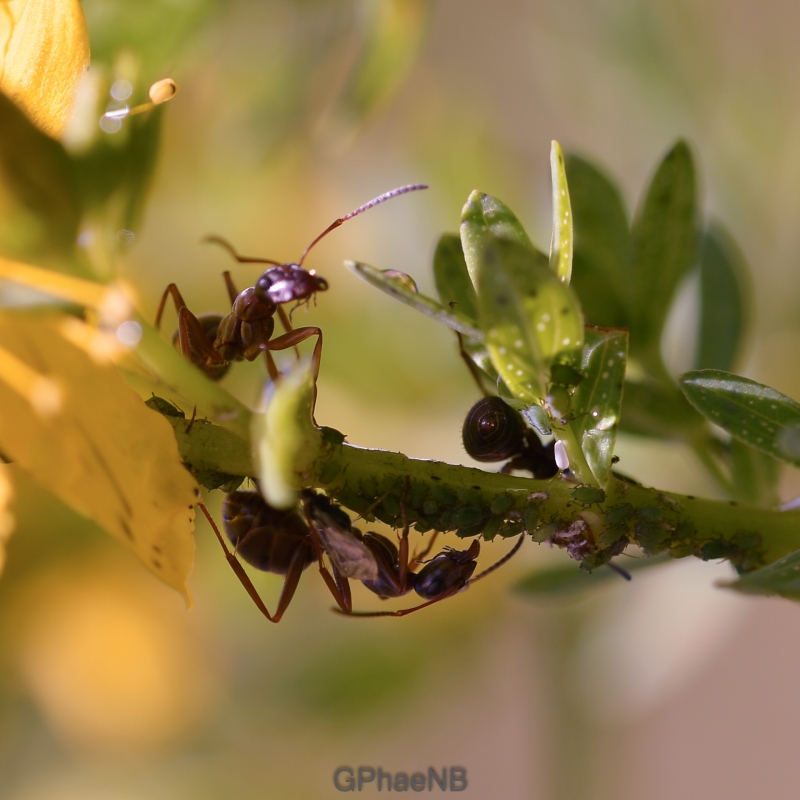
212, 342
286, 542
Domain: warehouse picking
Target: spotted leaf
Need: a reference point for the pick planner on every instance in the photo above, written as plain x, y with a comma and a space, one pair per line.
756, 414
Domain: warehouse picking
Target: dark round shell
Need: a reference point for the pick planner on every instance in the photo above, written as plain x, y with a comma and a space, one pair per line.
263, 536
492, 431
289, 283
449, 571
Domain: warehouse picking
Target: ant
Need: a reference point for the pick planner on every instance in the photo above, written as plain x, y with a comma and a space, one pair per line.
286, 543
212, 342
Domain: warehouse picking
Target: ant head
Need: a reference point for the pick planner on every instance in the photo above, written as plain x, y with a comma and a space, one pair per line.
289, 283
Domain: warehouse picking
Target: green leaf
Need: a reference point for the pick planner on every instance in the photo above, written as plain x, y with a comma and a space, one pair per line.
451, 275
664, 247
561, 239
284, 440
41, 208
723, 297
652, 409
781, 578
601, 273
484, 218
402, 288
756, 414
597, 400
114, 176
570, 579
530, 317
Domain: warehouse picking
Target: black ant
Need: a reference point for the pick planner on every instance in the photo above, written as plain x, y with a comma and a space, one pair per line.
286, 542
212, 342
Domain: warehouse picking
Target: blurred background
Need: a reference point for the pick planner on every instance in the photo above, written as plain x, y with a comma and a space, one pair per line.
291, 113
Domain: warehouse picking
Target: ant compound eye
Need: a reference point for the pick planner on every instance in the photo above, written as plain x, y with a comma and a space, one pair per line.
492, 431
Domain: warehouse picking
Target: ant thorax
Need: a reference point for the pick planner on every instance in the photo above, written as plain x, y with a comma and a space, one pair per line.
244, 333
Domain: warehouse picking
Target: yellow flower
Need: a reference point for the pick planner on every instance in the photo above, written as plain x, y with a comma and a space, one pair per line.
44, 51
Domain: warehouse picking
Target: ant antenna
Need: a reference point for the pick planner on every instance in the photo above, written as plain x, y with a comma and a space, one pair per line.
374, 202
621, 571
497, 564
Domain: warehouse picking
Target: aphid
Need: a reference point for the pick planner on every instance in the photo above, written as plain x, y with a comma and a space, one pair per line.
213, 343
493, 431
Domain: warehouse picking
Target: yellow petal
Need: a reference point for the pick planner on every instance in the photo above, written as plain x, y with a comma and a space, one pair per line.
6, 518
44, 50
102, 451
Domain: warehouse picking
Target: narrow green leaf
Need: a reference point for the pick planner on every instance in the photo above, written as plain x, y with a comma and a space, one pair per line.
652, 409
483, 218
758, 415
723, 299
664, 247
451, 275
398, 287
530, 317
284, 441
781, 578
561, 240
570, 579
597, 400
601, 273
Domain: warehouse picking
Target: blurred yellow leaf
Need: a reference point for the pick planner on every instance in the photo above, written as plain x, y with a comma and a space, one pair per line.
6, 518
96, 445
45, 50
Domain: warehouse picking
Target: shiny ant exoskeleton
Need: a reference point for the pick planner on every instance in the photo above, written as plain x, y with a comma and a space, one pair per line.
286, 542
213, 342
493, 431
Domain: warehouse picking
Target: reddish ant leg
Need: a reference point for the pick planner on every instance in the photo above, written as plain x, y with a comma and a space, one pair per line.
337, 585
295, 570
418, 558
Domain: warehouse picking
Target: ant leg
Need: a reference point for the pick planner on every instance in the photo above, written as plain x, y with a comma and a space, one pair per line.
402, 558
232, 293
241, 259
272, 368
337, 585
180, 303
403, 611
473, 369
419, 557
293, 574
293, 338
287, 324
194, 342
507, 557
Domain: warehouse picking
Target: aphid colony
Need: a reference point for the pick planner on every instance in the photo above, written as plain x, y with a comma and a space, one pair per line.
287, 542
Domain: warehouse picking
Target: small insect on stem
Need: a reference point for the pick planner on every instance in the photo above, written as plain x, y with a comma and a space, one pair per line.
213, 342
493, 431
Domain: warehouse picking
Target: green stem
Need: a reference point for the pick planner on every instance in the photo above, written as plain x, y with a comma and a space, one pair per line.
471, 502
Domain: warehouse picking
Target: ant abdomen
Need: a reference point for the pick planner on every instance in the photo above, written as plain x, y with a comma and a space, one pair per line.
264, 537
